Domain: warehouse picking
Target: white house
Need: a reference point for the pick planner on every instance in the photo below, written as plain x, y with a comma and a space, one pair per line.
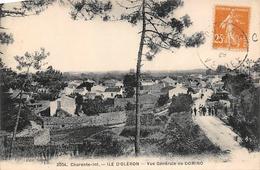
82, 91
65, 103
111, 92
147, 83
169, 81
177, 90
119, 84
98, 88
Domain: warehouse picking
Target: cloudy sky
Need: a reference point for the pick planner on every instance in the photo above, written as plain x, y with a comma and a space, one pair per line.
106, 46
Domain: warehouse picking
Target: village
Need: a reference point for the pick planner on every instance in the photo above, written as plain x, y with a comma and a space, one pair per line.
84, 108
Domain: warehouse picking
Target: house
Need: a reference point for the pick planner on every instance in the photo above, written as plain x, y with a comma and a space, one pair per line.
147, 83
111, 92
69, 89
65, 103
155, 88
167, 89
98, 89
29, 137
177, 90
33, 135
75, 82
119, 84
82, 91
169, 81
110, 83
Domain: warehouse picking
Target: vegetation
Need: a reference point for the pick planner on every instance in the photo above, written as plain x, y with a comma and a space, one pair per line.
181, 103
160, 30
246, 109
183, 137
129, 85
163, 99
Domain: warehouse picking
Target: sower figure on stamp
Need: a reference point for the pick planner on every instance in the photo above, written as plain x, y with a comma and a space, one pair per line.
229, 23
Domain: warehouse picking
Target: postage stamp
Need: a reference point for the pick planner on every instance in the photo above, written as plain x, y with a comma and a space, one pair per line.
231, 27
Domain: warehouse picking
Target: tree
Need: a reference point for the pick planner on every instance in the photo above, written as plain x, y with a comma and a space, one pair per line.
51, 79
163, 99
25, 63
181, 103
159, 30
221, 69
129, 84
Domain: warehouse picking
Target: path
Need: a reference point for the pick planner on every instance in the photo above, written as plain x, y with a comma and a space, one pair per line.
219, 133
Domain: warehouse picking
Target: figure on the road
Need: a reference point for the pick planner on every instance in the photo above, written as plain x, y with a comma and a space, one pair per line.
216, 111
204, 110
209, 110
200, 110
195, 111
212, 111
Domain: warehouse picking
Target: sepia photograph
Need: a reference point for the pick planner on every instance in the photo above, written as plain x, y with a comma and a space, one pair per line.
135, 84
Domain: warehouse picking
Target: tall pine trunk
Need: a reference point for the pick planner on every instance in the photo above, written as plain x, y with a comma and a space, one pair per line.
138, 72
18, 114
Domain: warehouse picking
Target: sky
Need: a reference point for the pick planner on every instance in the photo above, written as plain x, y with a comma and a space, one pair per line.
110, 46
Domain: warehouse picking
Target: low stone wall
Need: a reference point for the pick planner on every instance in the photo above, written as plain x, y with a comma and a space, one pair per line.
104, 119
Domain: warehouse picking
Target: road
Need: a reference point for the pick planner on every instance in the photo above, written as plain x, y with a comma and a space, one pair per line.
219, 133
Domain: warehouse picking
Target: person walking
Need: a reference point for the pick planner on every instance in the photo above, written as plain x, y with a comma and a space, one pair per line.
200, 110
209, 110
195, 111
212, 111
204, 110
216, 111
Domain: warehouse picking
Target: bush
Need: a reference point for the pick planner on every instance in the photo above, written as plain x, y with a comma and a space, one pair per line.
106, 143
130, 106
181, 103
145, 131
163, 99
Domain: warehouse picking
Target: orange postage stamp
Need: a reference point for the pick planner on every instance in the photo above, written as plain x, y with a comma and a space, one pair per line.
231, 27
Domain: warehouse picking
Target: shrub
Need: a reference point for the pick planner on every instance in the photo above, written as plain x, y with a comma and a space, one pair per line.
181, 103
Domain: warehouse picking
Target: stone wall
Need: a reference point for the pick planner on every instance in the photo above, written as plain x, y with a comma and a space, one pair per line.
104, 119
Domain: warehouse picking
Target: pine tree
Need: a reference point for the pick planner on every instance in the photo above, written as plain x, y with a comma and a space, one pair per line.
159, 30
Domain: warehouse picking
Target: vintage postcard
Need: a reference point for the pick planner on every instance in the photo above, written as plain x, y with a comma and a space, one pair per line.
133, 84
